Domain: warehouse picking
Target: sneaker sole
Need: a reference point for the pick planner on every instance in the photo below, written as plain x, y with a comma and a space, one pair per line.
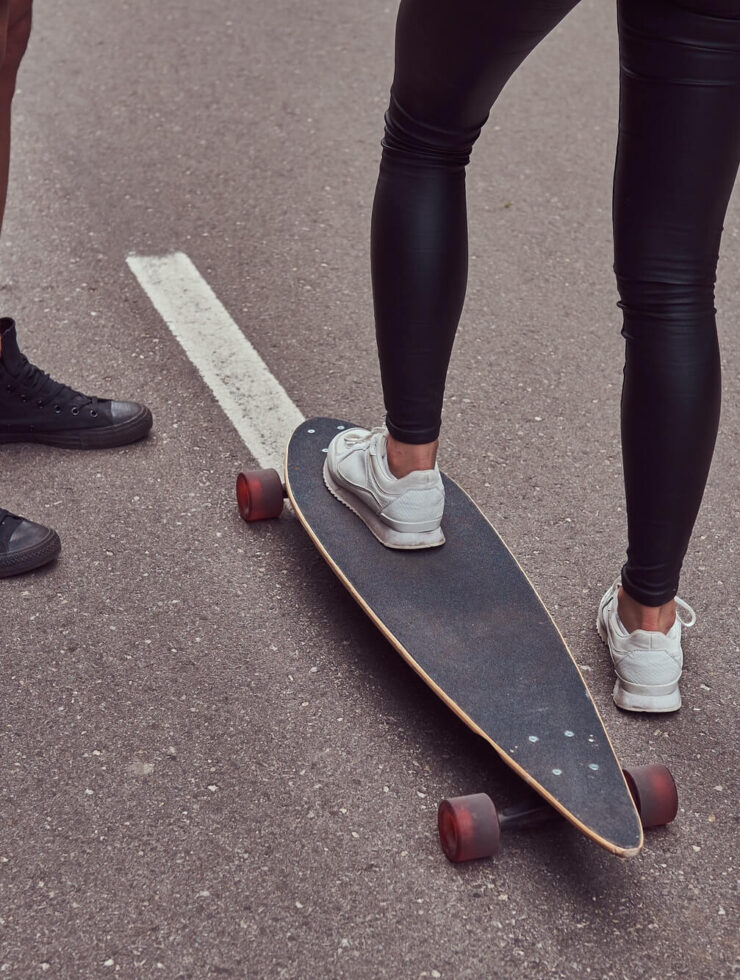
108, 437
31, 558
399, 540
636, 697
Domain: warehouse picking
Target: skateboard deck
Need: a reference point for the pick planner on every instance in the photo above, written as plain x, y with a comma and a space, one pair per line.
467, 619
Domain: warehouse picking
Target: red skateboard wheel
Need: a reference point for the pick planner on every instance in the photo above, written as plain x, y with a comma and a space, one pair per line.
259, 494
468, 827
654, 793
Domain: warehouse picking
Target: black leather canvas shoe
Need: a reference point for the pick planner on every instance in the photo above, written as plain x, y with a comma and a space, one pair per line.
35, 408
25, 545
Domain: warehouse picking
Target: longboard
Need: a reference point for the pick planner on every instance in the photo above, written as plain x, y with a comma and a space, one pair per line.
467, 619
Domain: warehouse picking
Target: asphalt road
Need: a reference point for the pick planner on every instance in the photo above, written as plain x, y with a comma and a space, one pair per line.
211, 763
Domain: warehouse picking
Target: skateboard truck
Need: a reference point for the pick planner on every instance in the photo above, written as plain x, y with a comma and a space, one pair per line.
470, 827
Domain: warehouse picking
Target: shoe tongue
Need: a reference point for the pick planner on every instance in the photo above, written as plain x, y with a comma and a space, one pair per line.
10, 355
382, 457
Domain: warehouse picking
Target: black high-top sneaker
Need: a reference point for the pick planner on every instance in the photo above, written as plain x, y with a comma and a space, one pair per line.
25, 545
35, 408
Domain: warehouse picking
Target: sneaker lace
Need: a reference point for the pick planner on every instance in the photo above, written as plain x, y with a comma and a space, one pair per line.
356, 438
31, 382
681, 605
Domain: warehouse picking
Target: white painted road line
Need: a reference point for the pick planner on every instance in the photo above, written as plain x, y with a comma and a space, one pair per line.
255, 402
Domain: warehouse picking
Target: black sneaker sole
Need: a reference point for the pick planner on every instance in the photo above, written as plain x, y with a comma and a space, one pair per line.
105, 437
27, 560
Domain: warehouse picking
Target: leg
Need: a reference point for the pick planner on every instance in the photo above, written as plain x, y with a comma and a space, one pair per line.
677, 158
24, 546
453, 58
34, 407
15, 29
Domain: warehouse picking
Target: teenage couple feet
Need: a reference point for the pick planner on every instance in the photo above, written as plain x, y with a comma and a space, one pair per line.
35, 408
406, 512
402, 512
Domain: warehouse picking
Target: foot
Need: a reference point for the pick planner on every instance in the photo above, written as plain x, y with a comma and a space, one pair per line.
648, 663
35, 408
401, 513
25, 545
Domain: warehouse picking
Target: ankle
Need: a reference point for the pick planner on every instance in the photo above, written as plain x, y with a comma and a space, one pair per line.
635, 616
404, 458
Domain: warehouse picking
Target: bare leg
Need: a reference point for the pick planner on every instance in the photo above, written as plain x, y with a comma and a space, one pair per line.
404, 458
635, 616
15, 28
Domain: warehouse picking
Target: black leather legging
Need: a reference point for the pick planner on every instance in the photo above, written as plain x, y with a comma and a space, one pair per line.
677, 157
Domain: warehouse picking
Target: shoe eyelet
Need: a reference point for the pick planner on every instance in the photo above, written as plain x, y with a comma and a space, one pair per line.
75, 410
57, 410
93, 413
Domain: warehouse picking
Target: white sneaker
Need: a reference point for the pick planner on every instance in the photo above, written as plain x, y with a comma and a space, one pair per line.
648, 663
404, 513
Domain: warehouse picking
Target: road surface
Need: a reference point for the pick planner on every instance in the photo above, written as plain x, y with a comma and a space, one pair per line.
212, 764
